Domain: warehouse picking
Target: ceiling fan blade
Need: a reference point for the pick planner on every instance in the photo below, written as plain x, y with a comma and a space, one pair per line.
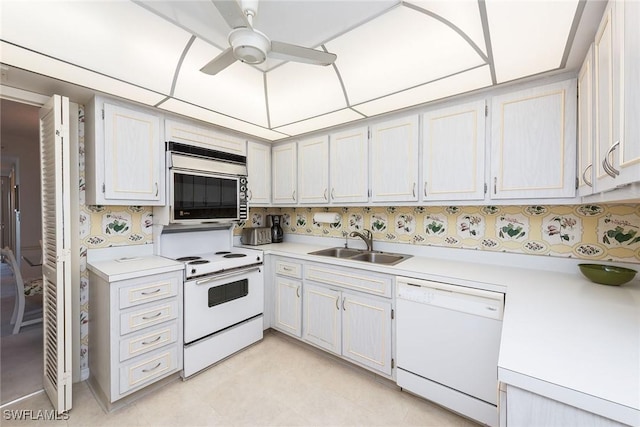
232, 13
220, 62
292, 52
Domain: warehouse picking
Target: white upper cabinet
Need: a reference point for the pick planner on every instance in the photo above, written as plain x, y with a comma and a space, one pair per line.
533, 142
349, 165
313, 170
284, 173
124, 154
453, 153
202, 136
394, 160
586, 126
259, 171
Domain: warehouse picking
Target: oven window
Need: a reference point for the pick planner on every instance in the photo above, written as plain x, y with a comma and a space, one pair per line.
204, 197
228, 292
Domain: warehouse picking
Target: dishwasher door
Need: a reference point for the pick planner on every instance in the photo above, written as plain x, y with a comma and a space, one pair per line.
450, 335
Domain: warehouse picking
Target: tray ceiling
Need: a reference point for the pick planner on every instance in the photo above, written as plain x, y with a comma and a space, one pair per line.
390, 54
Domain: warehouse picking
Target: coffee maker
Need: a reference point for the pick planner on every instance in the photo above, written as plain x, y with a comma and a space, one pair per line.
276, 229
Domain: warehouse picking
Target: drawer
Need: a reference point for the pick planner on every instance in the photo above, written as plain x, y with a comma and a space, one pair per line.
148, 340
350, 278
143, 317
146, 369
148, 289
288, 268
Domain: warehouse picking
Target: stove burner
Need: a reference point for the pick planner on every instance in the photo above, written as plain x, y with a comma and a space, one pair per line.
234, 255
199, 261
222, 252
188, 258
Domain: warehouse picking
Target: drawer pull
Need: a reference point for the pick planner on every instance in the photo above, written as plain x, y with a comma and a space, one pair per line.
152, 369
287, 268
153, 341
158, 314
152, 292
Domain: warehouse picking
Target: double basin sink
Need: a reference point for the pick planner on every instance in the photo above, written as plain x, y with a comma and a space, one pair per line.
375, 257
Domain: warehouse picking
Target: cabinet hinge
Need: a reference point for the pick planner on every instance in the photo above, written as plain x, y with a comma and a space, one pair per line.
102, 114
103, 188
577, 182
368, 133
393, 363
485, 188
486, 111
393, 314
369, 192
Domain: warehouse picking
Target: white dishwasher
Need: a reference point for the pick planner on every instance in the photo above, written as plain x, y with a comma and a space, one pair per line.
448, 338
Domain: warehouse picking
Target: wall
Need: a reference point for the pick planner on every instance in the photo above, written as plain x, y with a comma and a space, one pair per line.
589, 232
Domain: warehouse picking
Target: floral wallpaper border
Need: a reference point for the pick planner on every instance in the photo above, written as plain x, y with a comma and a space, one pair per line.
590, 232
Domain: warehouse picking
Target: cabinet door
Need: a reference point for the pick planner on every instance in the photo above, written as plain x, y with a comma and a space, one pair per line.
585, 126
259, 171
313, 170
607, 93
284, 173
349, 163
288, 306
322, 322
366, 332
133, 156
533, 142
453, 153
394, 161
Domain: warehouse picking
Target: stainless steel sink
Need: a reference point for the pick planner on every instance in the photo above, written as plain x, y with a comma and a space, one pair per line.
337, 252
362, 255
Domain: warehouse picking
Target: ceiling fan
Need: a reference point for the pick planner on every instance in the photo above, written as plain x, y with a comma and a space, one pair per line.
253, 47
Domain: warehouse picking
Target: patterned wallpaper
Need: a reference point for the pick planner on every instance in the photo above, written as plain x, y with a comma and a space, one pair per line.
590, 232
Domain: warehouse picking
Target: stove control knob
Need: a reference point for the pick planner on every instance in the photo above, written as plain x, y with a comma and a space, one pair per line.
258, 258
193, 271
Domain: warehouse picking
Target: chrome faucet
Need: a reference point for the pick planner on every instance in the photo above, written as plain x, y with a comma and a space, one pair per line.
367, 237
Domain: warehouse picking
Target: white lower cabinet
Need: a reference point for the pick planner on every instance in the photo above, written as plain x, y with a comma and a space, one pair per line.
136, 332
355, 325
288, 297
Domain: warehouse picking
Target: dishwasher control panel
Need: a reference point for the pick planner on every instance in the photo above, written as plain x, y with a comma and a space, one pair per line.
452, 297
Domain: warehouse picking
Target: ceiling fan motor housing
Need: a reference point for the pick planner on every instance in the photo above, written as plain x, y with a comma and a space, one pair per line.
249, 46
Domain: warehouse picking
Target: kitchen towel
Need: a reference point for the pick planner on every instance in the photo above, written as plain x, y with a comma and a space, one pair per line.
326, 217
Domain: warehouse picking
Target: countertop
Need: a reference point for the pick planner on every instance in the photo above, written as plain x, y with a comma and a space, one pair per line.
125, 268
563, 336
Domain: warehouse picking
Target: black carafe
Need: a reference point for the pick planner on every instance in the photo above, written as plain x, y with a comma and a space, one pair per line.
276, 229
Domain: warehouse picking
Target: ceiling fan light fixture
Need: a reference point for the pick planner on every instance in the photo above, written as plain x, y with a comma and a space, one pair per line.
249, 46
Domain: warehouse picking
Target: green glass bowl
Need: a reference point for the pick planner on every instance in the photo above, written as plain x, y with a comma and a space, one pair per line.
607, 274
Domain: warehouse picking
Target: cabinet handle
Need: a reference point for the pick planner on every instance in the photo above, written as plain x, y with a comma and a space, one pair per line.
293, 195
608, 167
495, 185
325, 194
333, 194
153, 341
425, 189
152, 292
287, 268
343, 304
249, 194
152, 369
298, 291
158, 314
584, 175
414, 189
337, 304
156, 189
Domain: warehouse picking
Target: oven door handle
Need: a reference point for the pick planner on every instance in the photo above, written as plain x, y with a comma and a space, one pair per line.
225, 275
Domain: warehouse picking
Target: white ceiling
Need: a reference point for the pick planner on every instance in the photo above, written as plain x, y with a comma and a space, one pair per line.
391, 55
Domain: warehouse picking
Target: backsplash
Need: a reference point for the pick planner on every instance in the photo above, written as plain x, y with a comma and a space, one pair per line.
590, 232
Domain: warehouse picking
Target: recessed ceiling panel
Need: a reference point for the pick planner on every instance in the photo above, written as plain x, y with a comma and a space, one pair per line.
236, 91
321, 122
399, 50
464, 14
31, 61
115, 38
454, 85
189, 110
528, 37
299, 91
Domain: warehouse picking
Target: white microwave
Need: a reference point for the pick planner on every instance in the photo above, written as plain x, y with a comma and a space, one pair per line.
206, 185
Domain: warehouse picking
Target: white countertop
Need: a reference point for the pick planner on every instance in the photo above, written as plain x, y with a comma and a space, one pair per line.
130, 267
563, 336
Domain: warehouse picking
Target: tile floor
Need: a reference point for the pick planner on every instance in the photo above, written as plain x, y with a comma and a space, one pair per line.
277, 382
